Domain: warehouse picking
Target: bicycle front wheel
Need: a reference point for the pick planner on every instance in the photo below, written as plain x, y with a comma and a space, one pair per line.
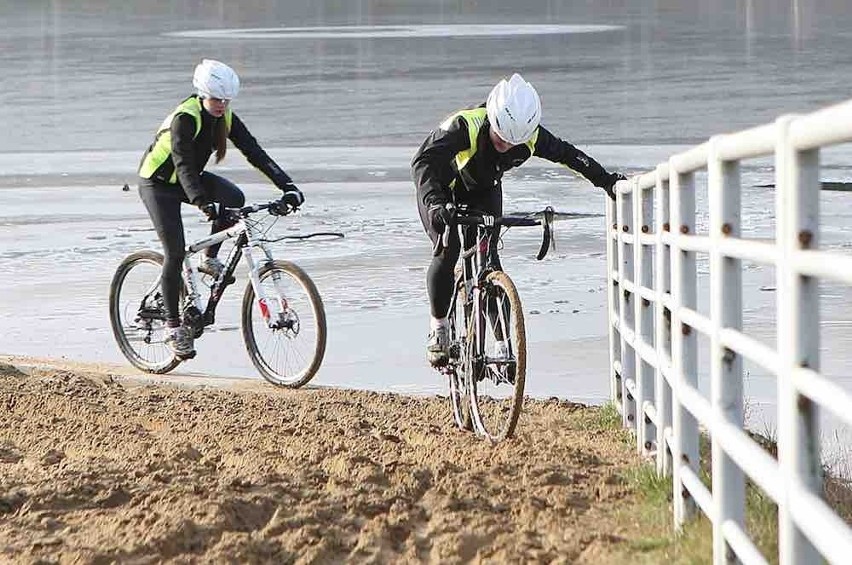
500, 359
285, 335
459, 364
137, 313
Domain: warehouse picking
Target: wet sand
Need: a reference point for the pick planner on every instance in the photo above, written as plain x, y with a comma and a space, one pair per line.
98, 465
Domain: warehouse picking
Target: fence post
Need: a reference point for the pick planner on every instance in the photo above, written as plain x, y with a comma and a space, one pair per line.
613, 313
726, 367
684, 340
626, 319
797, 207
662, 260
643, 314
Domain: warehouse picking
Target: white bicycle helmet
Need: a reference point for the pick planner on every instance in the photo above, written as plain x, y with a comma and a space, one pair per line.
213, 79
514, 109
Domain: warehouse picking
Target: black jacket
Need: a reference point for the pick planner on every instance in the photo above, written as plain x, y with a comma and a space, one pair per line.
433, 168
190, 153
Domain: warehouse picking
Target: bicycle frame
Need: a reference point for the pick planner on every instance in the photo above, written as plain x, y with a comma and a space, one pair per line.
249, 240
491, 314
477, 262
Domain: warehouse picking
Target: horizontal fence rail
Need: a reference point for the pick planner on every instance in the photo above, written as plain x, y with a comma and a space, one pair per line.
654, 324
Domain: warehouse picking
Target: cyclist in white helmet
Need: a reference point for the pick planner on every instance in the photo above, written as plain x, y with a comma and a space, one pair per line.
463, 161
172, 172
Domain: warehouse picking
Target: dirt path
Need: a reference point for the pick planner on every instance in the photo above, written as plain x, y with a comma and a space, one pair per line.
96, 468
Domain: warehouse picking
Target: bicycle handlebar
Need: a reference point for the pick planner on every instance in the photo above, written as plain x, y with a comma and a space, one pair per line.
485, 220
473, 218
275, 207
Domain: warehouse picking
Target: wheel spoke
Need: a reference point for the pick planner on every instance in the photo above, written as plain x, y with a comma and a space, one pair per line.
497, 379
459, 361
136, 313
289, 355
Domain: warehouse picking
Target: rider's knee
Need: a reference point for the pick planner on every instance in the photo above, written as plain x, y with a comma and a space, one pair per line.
173, 259
445, 261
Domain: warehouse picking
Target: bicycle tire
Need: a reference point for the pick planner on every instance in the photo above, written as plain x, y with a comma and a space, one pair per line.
460, 361
495, 415
279, 376
159, 358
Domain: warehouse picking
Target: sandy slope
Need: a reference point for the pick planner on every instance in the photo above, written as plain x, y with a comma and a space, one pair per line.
96, 467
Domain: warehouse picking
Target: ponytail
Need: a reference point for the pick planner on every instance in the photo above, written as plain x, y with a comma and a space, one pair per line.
221, 139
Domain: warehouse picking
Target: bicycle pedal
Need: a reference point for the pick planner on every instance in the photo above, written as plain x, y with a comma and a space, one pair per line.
186, 356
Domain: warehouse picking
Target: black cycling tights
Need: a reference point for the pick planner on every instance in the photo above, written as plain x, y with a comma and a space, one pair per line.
163, 203
439, 277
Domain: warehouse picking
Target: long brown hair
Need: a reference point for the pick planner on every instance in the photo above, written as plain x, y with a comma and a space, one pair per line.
221, 139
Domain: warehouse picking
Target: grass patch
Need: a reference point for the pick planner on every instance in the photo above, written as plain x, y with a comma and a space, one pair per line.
606, 420
600, 419
838, 494
649, 523
762, 521
655, 490
607, 417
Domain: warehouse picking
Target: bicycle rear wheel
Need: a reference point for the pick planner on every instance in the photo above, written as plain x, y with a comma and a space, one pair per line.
459, 364
137, 313
497, 378
290, 353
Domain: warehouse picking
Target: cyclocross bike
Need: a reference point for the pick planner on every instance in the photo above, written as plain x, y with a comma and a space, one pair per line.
283, 319
486, 377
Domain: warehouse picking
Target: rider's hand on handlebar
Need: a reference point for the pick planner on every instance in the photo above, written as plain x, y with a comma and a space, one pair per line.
209, 210
441, 215
609, 187
292, 195
279, 208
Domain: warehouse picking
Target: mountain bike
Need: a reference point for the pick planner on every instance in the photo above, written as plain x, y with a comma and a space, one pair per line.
283, 318
488, 345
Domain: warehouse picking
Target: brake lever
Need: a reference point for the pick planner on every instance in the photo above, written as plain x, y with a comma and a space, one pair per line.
443, 241
278, 208
547, 233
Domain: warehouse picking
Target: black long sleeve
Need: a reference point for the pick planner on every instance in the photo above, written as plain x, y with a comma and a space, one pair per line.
254, 153
433, 167
550, 147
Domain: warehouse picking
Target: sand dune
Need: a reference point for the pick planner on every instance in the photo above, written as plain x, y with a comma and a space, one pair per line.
96, 467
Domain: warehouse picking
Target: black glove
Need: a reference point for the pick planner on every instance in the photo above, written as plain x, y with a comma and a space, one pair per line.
280, 208
292, 195
441, 215
609, 187
209, 210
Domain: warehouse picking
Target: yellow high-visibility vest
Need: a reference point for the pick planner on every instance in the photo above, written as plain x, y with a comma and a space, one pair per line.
474, 120
161, 150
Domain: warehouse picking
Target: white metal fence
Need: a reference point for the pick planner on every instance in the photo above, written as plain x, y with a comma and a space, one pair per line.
654, 325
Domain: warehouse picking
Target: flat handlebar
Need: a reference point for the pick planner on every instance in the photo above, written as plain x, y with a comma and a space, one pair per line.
275, 207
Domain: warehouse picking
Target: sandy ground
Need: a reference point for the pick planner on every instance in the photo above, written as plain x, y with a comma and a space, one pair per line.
97, 467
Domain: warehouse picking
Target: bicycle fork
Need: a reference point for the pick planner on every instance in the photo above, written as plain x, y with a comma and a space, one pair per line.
272, 308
